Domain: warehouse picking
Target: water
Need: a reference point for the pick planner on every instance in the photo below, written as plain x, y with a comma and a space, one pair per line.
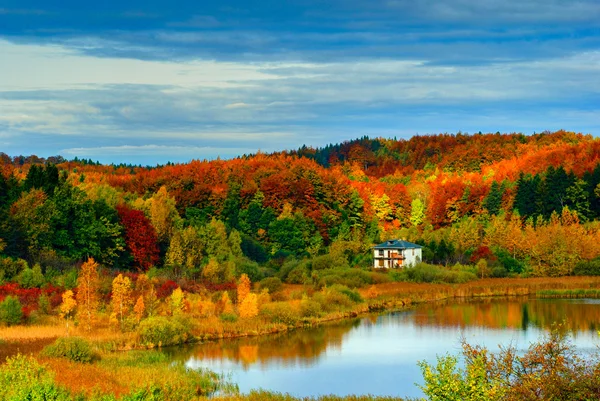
378, 354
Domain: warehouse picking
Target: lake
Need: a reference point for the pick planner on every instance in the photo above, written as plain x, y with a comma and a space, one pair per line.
378, 354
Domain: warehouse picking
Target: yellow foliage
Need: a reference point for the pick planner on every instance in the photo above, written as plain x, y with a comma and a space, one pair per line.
177, 301
67, 308
121, 299
372, 292
88, 284
249, 306
139, 308
243, 288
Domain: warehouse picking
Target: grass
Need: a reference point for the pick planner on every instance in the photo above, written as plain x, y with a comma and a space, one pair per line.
571, 293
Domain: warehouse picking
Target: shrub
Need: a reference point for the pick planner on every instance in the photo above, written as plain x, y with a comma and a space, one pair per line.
310, 308
273, 284
44, 305
280, 312
587, 268
329, 261
161, 331
11, 311
348, 277
426, 273
24, 378
228, 317
332, 299
75, 349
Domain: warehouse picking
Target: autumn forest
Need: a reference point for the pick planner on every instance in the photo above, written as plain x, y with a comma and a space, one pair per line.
126, 256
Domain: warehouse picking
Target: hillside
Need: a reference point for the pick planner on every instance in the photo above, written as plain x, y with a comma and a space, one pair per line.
523, 203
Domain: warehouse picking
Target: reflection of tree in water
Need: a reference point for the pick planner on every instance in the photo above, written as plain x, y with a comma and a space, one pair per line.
516, 313
299, 347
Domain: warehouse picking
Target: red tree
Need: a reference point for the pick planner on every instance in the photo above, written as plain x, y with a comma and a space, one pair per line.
140, 237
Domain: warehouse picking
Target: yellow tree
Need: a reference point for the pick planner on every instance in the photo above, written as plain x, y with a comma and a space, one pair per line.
224, 305
88, 284
121, 299
249, 306
177, 301
139, 308
67, 307
243, 288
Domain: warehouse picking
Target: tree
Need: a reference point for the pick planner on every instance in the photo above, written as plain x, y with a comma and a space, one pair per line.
177, 302
493, 202
140, 237
249, 306
67, 307
88, 285
121, 299
417, 213
11, 312
139, 308
243, 288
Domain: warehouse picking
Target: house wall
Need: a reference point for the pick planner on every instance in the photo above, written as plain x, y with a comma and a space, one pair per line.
411, 257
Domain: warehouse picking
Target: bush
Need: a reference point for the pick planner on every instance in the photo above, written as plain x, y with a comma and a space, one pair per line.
348, 277
75, 349
228, 317
587, 268
273, 284
161, 331
280, 312
426, 273
11, 311
332, 298
310, 308
329, 261
298, 275
24, 378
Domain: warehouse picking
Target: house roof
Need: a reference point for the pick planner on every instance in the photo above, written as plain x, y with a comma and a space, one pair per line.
397, 244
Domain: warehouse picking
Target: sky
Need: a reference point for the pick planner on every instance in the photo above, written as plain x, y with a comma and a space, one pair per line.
155, 81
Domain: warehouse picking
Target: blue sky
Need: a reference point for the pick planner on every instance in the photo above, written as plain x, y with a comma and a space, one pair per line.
154, 81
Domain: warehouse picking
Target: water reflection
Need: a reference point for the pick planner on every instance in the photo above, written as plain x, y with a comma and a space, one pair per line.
378, 354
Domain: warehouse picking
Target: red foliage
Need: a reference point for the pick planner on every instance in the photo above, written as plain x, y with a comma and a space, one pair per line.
166, 289
220, 287
140, 237
29, 296
483, 252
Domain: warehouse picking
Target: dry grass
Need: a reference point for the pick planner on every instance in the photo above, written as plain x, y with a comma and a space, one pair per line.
29, 333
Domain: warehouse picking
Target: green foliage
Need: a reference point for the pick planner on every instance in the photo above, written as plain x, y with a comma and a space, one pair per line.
280, 312
310, 308
511, 264
10, 311
334, 298
31, 278
587, 268
548, 370
426, 273
162, 331
273, 284
12, 267
75, 349
23, 378
329, 261
353, 278
228, 317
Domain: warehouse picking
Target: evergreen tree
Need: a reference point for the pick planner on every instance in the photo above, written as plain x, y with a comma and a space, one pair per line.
493, 202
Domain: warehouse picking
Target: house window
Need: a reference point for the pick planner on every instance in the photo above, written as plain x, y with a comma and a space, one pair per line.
413, 251
380, 262
381, 252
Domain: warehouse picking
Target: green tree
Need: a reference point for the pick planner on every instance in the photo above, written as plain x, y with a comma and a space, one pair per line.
493, 202
417, 212
11, 311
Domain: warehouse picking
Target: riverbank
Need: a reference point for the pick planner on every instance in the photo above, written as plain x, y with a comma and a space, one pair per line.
115, 372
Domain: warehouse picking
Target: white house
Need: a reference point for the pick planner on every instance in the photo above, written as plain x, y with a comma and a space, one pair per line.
396, 253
